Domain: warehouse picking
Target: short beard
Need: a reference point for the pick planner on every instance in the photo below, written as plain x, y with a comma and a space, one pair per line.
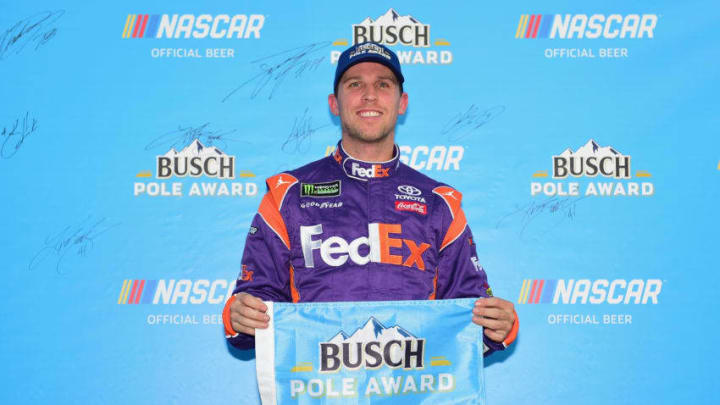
360, 136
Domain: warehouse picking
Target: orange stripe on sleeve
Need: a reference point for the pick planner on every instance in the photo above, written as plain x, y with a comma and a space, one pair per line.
271, 203
229, 331
453, 199
273, 219
513, 332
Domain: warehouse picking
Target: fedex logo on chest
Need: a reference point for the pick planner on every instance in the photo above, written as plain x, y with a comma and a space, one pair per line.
335, 251
373, 172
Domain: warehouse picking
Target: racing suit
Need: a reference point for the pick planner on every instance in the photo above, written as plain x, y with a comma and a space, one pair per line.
342, 229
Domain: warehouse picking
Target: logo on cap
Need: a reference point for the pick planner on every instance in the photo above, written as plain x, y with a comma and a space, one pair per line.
369, 48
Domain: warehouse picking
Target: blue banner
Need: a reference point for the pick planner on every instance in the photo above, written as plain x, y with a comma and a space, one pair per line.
400, 352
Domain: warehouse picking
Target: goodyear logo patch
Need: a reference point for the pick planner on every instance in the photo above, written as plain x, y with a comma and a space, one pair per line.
331, 189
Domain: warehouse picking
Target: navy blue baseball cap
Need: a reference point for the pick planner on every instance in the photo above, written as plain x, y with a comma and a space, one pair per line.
368, 52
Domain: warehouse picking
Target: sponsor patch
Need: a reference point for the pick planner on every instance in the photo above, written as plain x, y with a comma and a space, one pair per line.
373, 172
331, 189
325, 204
476, 264
420, 208
409, 190
253, 230
246, 275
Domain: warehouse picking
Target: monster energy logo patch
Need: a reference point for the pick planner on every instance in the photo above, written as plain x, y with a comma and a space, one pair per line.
331, 189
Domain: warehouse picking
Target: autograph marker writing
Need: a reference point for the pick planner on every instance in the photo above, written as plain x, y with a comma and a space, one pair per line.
12, 138
561, 208
38, 29
275, 68
299, 139
465, 123
77, 239
183, 136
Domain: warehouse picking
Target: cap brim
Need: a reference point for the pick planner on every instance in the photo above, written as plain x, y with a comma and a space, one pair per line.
371, 58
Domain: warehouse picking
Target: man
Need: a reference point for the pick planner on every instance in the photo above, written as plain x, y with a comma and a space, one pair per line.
360, 225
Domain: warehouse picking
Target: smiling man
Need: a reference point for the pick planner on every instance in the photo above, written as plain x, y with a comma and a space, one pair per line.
360, 225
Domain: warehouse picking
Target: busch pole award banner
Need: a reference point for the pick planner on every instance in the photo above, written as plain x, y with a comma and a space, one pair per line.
399, 352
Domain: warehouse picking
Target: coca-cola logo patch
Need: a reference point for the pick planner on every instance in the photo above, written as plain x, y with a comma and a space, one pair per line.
420, 208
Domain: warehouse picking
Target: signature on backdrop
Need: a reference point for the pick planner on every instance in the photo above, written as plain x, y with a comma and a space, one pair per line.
547, 214
35, 31
73, 240
298, 141
275, 68
13, 136
183, 136
466, 123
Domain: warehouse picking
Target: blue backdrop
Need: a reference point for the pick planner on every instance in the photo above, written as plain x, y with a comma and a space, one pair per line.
115, 276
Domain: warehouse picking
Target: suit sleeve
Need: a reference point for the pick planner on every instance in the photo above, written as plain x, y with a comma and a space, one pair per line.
265, 271
459, 273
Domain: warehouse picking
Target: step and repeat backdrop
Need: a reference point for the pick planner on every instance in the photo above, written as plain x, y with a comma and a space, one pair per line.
584, 137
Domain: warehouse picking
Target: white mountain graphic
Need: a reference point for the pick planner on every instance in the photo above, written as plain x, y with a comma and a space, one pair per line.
373, 330
590, 149
391, 17
196, 148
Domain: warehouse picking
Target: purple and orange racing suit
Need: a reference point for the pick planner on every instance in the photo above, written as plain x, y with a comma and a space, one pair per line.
342, 229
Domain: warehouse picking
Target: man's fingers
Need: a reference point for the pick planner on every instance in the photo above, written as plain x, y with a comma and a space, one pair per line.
494, 302
243, 329
253, 324
248, 313
248, 322
254, 314
489, 302
488, 323
252, 302
494, 313
494, 335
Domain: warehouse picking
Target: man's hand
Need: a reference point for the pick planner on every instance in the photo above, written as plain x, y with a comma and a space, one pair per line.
496, 315
247, 313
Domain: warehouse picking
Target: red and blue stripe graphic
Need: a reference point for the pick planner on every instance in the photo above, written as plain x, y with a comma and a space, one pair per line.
534, 26
137, 291
537, 291
141, 26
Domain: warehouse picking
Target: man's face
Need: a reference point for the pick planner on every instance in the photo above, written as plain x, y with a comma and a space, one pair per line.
368, 102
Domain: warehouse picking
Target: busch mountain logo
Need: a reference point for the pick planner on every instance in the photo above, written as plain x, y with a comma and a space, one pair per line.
196, 160
592, 161
391, 29
371, 347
